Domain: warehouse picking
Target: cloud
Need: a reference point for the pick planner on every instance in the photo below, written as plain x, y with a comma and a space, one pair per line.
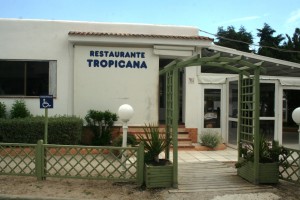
294, 17
241, 19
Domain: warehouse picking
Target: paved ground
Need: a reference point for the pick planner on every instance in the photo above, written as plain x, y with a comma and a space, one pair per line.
192, 156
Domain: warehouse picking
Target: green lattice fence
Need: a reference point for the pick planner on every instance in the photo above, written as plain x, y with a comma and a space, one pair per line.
289, 165
18, 159
64, 161
91, 162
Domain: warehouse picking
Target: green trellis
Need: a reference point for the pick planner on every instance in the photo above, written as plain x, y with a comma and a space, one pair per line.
248, 120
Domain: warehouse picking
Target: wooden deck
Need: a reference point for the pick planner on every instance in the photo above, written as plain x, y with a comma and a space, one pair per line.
212, 176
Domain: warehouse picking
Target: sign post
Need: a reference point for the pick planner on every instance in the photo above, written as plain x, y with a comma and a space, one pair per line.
45, 103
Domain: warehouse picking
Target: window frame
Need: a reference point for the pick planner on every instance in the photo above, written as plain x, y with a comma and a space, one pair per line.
52, 79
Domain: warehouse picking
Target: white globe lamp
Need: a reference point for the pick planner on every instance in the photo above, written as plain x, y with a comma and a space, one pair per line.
125, 113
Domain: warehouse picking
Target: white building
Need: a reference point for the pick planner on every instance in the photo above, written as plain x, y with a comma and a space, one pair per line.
88, 65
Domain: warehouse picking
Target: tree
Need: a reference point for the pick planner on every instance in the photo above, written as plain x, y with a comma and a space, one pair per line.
229, 38
294, 45
267, 40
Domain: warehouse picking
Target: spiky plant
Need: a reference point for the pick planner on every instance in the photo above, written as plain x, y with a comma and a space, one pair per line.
154, 141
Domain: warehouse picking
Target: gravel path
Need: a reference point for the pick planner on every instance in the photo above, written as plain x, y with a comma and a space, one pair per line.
29, 188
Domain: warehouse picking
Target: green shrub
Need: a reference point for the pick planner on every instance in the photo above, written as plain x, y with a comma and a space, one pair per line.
210, 138
101, 124
19, 110
61, 130
2, 110
131, 140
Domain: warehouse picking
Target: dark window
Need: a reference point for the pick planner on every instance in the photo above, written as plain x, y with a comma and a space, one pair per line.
212, 108
25, 78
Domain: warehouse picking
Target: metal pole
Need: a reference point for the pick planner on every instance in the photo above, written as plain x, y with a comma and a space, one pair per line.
46, 127
124, 144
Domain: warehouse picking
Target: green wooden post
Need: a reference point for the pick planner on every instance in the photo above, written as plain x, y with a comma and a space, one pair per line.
256, 128
168, 104
175, 126
239, 115
39, 165
140, 164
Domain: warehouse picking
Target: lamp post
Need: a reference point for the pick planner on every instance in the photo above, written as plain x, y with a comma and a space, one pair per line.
296, 118
125, 112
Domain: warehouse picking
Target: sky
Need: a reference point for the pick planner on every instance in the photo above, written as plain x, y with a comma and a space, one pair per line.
282, 16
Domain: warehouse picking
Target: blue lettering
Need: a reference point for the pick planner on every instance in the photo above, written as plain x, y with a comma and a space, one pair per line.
91, 53
129, 64
90, 62
122, 54
143, 65
101, 53
121, 63
133, 54
110, 63
127, 55
106, 53
142, 54
96, 63
117, 54
136, 64
103, 63
97, 53
111, 54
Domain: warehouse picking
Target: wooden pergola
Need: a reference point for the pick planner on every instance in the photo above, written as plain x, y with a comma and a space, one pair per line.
249, 99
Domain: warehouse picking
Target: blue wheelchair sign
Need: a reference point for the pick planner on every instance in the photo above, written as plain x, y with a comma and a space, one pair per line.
46, 101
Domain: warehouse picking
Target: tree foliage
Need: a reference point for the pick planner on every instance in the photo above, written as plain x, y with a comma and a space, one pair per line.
267, 39
232, 35
293, 43
273, 45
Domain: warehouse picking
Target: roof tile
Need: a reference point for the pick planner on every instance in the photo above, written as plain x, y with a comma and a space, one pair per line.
80, 33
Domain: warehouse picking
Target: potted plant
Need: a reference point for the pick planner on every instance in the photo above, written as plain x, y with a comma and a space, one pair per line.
268, 169
158, 172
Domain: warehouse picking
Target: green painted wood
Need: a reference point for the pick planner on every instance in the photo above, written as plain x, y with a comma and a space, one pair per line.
158, 176
256, 123
175, 94
39, 161
140, 165
18, 159
289, 166
267, 173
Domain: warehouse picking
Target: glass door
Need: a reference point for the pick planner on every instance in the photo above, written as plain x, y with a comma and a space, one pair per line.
212, 108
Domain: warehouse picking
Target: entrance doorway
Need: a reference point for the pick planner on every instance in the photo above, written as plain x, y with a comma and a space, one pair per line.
162, 93
212, 111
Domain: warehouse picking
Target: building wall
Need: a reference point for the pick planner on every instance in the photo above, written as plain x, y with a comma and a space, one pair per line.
91, 88
109, 86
